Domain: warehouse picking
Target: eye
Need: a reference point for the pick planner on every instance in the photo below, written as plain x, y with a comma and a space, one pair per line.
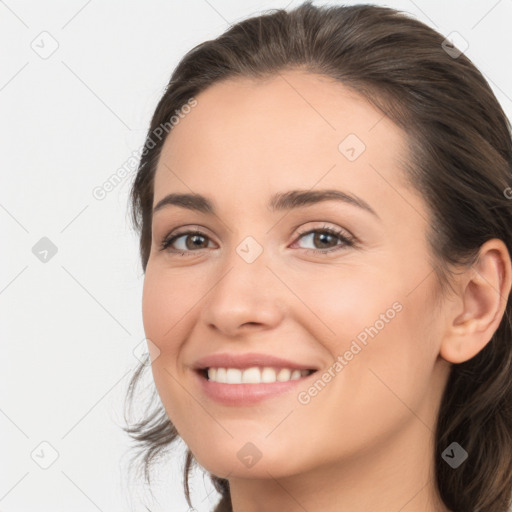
197, 239
325, 237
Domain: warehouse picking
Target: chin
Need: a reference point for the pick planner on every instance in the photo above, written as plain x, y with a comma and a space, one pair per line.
246, 460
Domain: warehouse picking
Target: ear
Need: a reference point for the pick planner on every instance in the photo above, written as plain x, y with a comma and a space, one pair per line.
475, 315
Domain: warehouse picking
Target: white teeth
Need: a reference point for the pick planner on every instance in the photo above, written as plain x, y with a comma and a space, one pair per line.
251, 376
254, 375
284, 374
268, 375
233, 376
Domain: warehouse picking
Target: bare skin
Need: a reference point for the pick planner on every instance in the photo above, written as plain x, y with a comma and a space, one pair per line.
365, 440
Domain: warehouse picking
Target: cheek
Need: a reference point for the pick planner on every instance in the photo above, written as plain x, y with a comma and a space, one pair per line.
345, 304
164, 315
164, 302
386, 337
164, 308
154, 301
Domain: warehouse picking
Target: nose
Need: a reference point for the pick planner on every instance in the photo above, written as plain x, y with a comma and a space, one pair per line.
246, 296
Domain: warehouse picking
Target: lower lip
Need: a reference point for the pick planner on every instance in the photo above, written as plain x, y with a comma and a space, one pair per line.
246, 394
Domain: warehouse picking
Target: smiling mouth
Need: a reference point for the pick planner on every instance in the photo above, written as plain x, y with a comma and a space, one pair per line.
267, 375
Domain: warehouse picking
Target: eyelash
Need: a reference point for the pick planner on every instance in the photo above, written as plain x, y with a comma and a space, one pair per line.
347, 240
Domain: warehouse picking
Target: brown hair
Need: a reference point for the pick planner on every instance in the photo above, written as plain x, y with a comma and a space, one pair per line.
461, 162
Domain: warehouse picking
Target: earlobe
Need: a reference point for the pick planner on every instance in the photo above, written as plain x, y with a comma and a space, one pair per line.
484, 293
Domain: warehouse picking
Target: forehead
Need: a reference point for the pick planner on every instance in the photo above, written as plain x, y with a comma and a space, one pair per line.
247, 136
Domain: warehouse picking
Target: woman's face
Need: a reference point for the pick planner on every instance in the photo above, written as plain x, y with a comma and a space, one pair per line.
357, 306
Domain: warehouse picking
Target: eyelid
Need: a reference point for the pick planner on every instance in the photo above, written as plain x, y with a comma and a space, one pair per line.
173, 235
345, 236
334, 229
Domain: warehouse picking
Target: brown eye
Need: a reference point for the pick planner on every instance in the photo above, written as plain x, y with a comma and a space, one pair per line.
193, 240
326, 239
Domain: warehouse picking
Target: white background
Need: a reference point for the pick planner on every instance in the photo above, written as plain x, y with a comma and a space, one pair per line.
69, 326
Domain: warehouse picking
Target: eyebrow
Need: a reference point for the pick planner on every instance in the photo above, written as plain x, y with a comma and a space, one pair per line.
278, 202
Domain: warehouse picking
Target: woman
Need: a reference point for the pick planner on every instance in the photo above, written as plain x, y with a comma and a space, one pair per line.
324, 211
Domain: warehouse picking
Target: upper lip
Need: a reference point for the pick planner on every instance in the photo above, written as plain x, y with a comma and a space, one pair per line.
248, 360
